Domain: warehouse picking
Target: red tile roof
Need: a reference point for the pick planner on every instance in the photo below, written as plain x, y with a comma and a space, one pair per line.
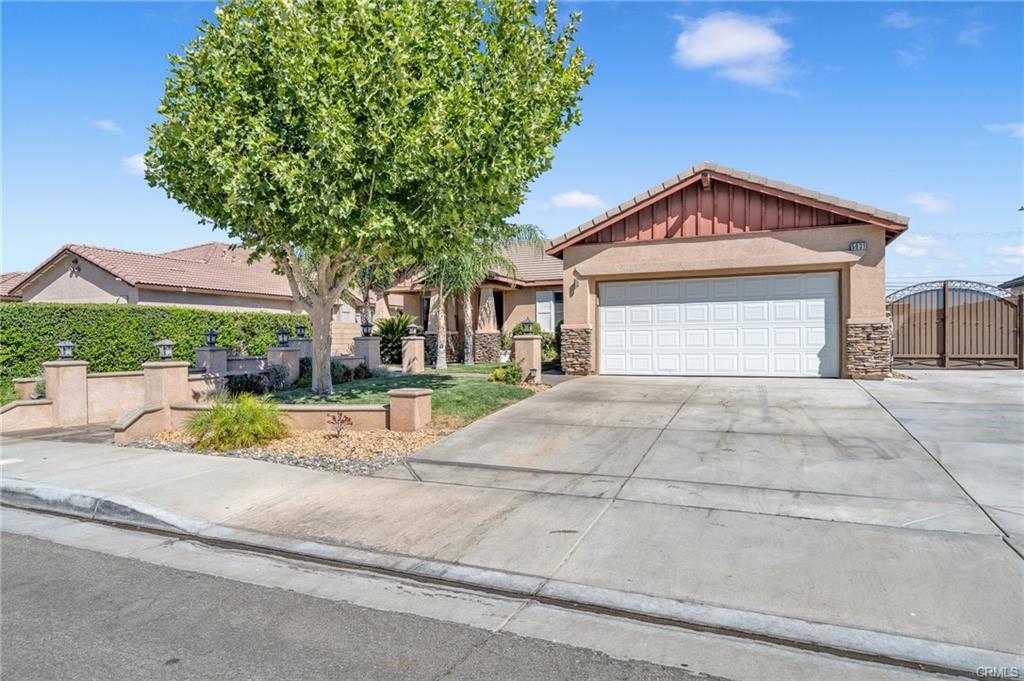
8, 280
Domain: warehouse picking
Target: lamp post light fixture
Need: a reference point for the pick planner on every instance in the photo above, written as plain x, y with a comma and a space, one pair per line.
413, 329
367, 327
211, 338
282, 337
66, 349
165, 348
527, 325
300, 330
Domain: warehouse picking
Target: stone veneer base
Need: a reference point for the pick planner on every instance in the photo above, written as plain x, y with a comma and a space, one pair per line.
577, 349
869, 349
487, 347
453, 352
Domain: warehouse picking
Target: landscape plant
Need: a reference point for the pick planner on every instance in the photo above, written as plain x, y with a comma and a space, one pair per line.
246, 384
334, 135
510, 373
236, 423
391, 330
277, 377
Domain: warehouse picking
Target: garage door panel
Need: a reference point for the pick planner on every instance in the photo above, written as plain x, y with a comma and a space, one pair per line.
766, 325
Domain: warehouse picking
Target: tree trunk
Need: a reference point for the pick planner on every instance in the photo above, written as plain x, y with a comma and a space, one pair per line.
320, 316
441, 362
467, 343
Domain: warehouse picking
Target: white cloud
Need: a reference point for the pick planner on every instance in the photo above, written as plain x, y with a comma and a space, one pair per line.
903, 20
1011, 129
134, 164
915, 246
972, 33
740, 47
577, 199
930, 203
106, 125
1009, 259
1006, 251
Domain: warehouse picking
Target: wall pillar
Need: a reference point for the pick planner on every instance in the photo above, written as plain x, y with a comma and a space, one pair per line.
409, 409
66, 388
25, 387
868, 349
286, 356
412, 354
214, 360
368, 347
577, 349
166, 383
305, 346
528, 356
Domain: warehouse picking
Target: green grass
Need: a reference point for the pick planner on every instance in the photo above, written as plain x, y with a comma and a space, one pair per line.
457, 400
467, 368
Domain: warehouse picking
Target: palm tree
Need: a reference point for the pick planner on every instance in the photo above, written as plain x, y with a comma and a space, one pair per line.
460, 272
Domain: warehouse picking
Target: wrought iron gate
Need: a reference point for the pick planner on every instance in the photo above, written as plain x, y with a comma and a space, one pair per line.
956, 325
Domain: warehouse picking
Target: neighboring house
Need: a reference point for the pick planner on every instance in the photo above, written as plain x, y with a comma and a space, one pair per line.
212, 276
1014, 286
719, 272
533, 290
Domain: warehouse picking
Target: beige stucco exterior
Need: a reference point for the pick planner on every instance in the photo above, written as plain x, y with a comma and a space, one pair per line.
81, 282
518, 304
861, 274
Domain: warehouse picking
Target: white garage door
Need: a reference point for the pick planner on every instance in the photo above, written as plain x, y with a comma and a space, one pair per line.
779, 325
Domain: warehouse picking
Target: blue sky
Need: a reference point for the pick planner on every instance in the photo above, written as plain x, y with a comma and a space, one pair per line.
915, 108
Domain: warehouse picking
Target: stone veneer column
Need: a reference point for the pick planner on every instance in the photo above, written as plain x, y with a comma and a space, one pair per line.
430, 347
486, 337
869, 349
66, 387
577, 349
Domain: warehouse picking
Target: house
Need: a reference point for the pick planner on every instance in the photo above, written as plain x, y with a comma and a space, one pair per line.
212, 276
532, 290
1014, 286
719, 272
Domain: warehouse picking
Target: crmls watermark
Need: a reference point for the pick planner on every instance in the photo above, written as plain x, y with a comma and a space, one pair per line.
1000, 673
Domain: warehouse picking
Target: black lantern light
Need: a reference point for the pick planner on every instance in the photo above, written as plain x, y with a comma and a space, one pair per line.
413, 329
211, 337
66, 349
367, 327
527, 325
165, 348
282, 337
300, 330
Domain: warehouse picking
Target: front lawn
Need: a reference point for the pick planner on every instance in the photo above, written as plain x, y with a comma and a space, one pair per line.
457, 400
467, 368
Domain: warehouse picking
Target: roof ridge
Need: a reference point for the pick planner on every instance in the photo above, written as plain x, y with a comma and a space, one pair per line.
124, 250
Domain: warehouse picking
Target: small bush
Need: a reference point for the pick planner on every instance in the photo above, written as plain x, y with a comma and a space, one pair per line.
391, 330
40, 388
236, 423
548, 349
339, 372
381, 372
252, 384
277, 377
360, 373
520, 329
305, 379
506, 341
510, 373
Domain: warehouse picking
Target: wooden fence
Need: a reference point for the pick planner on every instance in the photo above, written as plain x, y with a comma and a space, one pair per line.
957, 325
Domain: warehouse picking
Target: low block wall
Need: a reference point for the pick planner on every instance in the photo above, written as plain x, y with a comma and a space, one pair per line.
246, 365
26, 415
140, 423
112, 394
24, 387
205, 387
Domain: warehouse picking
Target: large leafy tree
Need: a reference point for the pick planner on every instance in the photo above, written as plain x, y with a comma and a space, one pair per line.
330, 135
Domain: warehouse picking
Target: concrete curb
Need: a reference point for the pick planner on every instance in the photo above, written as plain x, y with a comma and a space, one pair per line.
852, 642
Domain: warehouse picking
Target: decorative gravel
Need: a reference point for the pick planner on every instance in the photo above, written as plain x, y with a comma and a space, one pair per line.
355, 452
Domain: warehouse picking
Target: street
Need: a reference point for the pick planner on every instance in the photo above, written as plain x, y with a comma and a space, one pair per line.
75, 614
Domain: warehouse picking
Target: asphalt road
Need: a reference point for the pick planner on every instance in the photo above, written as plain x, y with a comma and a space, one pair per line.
73, 614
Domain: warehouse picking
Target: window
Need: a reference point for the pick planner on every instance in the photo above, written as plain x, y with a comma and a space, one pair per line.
549, 309
346, 314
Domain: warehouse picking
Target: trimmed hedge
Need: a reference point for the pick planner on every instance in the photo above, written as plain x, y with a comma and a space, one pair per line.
121, 337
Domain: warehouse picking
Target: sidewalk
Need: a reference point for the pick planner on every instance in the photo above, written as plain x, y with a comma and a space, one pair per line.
946, 600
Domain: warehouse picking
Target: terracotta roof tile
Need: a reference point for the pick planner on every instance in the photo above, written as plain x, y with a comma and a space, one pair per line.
8, 280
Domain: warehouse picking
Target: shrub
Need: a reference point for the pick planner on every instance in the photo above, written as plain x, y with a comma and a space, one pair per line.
361, 372
305, 379
339, 372
40, 388
506, 342
236, 423
547, 345
277, 377
510, 373
120, 337
252, 384
391, 330
381, 372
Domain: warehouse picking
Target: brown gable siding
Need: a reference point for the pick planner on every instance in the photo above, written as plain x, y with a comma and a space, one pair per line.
724, 208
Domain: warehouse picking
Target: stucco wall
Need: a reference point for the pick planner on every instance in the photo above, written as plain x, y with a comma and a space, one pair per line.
112, 394
520, 304
862, 275
89, 284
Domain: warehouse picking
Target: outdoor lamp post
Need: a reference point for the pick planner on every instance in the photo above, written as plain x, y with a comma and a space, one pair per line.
367, 326
66, 349
282, 337
413, 329
527, 325
300, 330
211, 338
165, 348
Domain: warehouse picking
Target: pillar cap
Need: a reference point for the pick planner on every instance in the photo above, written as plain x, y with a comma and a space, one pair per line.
164, 364
281, 348
211, 348
67, 363
410, 392
413, 338
527, 336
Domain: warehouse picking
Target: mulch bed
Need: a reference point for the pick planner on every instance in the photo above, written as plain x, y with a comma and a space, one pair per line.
355, 452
